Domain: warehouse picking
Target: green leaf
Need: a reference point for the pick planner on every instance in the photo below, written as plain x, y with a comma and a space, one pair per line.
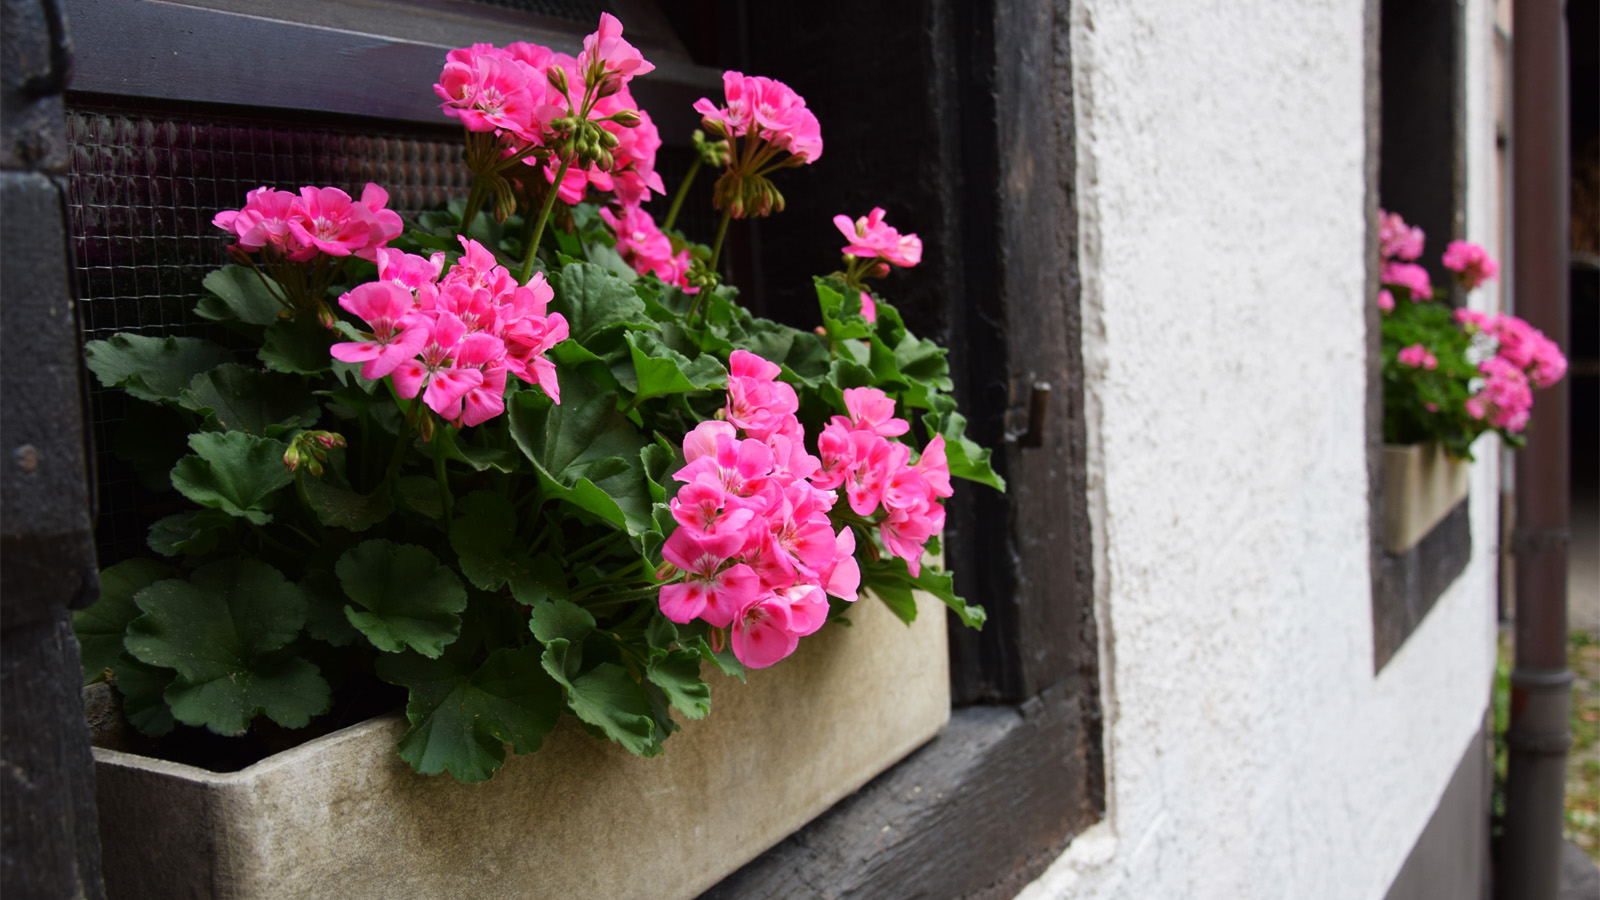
967, 459
237, 293
298, 346
605, 697
325, 602
233, 398
410, 600
152, 438
587, 454
892, 588
143, 689
595, 301
923, 360
421, 493
463, 716
660, 461
193, 533
219, 630
102, 626
151, 368
678, 674
659, 371
482, 536
559, 620
338, 507
479, 458
233, 471
890, 581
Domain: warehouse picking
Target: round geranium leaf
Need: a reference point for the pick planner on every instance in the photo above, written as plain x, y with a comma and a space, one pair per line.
219, 631
406, 598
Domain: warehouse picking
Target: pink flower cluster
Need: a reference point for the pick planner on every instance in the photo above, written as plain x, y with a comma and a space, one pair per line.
519, 90
297, 227
766, 108
870, 238
454, 340
644, 247
1470, 262
1524, 359
878, 476
1410, 276
757, 546
1417, 357
1397, 239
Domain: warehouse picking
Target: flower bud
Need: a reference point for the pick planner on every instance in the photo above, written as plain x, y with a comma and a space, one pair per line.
325, 316
627, 118
238, 254
558, 79
291, 458
328, 439
715, 127
607, 139
665, 570
315, 467
425, 427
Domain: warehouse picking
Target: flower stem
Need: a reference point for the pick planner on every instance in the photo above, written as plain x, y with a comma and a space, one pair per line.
440, 475
683, 191
544, 215
404, 439
722, 232
474, 203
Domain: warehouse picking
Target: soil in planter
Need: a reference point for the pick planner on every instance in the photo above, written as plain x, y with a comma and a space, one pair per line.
358, 698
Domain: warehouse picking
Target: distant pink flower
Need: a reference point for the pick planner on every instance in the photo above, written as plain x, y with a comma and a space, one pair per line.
1397, 239
767, 108
408, 271
1386, 300
1417, 357
869, 237
1506, 399
488, 90
646, 249
1470, 262
263, 222
1410, 276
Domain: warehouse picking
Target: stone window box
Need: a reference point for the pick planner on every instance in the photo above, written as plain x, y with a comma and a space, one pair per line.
343, 817
1421, 485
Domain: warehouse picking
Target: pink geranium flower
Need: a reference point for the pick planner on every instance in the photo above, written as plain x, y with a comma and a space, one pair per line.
1410, 276
711, 590
1417, 357
1396, 239
1470, 262
398, 331
436, 374
606, 55
869, 237
762, 634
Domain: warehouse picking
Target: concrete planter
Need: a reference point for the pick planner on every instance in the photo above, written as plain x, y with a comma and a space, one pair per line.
1421, 484
342, 817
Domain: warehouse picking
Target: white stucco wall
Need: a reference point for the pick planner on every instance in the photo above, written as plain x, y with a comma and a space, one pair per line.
1251, 751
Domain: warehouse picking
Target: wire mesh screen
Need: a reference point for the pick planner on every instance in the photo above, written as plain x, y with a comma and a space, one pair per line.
573, 10
141, 194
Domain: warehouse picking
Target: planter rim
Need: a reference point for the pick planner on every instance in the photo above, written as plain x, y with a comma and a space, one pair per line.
290, 757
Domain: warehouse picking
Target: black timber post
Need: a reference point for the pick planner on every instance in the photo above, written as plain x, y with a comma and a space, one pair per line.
47, 563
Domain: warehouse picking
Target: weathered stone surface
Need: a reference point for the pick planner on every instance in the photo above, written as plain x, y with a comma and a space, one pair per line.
343, 817
1421, 485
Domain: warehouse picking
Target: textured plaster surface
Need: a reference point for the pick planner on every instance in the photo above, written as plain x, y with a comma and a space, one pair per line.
1251, 750
343, 818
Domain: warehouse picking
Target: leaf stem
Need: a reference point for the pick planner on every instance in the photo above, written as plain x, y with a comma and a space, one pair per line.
305, 504
544, 216
404, 439
683, 191
474, 203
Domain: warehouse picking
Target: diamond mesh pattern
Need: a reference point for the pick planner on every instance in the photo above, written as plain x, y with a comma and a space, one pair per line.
141, 193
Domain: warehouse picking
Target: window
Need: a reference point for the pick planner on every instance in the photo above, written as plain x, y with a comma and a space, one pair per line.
968, 112
1421, 151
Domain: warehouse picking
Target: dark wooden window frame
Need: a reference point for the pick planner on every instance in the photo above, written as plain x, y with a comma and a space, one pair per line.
983, 808
1416, 147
